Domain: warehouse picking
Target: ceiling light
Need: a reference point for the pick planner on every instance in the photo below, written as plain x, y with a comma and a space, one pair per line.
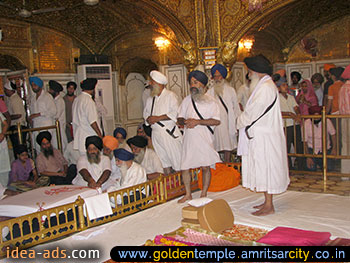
91, 2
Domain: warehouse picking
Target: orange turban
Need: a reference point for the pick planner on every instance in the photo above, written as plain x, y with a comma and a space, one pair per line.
328, 66
281, 72
110, 142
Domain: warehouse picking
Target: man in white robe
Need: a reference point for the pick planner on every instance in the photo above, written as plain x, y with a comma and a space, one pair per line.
42, 110
262, 143
243, 93
54, 89
160, 112
85, 117
146, 157
131, 172
93, 168
198, 143
225, 134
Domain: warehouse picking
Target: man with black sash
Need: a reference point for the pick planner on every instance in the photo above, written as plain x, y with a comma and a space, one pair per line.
160, 112
199, 113
226, 133
262, 143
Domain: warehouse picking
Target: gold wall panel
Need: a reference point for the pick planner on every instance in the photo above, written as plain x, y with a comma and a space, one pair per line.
54, 51
333, 42
15, 34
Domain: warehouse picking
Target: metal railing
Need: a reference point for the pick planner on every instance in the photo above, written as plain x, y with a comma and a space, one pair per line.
341, 154
20, 131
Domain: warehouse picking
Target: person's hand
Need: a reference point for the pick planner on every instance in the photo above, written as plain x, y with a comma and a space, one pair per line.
191, 123
2, 137
297, 118
152, 119
92, 184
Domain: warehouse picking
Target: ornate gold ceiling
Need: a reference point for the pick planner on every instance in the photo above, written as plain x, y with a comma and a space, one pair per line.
281, 23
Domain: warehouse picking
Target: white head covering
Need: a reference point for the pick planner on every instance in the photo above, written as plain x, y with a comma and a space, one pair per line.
158, 77
7, 85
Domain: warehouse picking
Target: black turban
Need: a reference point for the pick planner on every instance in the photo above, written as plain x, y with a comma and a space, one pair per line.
137, 141
72, 83
95, 140
13, 85
21, 148
259, 64
43, 135
147, 130
296, 73
88, 84
198, 75
54, 85
336, 72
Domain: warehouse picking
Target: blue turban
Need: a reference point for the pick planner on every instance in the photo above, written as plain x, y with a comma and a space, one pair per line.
37, 81
198, 75
218, 67
123, 154
120, 130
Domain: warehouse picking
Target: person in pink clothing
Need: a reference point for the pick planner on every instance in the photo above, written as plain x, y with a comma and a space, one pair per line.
344, 108
307, 97
313, 139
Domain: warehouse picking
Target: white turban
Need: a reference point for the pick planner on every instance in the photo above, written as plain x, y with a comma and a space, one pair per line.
159, 77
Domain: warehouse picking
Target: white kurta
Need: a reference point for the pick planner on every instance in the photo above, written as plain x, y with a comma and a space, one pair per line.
243, 94
264, 157
45, 105
95, 170
61, 117
136, 174
198, 143
151, 162
167, 148
225, 135
15, 106
84, 114
5, 165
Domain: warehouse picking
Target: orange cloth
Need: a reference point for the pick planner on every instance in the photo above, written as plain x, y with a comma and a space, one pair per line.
333, 93
110, 142
328, 66
222, 178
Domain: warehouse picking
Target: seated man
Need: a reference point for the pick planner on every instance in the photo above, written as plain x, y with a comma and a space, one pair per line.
50, 162
120, 134
146, 157
94, 169
110, 143
131, 172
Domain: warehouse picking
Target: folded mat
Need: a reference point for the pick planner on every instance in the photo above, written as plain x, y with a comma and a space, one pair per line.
286, 236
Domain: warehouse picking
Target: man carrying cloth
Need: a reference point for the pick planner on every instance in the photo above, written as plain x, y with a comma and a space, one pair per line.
199, 113
262, 143
226, 133
160, 112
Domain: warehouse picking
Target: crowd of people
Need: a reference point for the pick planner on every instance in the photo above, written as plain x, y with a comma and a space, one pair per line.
177, 135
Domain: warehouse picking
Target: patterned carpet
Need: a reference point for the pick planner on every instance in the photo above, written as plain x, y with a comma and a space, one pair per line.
314, 183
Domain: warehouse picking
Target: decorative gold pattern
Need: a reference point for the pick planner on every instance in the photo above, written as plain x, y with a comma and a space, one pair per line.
191, 55
227, 54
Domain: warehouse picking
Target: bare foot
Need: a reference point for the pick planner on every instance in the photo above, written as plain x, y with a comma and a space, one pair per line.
259, 206
184, 199
203, 195
264, 211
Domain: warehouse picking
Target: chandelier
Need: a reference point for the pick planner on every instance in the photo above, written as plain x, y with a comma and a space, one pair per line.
254, 4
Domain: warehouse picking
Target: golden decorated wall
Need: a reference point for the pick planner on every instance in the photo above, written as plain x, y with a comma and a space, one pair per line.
333, 42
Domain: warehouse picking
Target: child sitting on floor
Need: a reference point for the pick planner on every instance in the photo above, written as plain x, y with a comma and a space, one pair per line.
23, 168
